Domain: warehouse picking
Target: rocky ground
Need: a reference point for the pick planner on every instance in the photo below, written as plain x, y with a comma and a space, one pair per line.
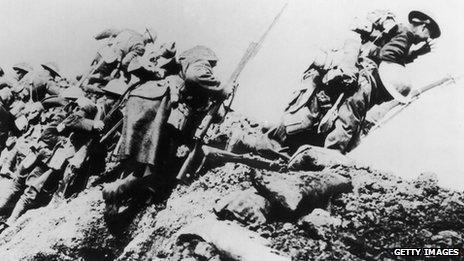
344, 212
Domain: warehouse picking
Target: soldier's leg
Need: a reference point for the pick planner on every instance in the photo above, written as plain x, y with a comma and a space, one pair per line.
9, 197
376, 114
3, 138
8, 159
350, 116
123, 188
36, 184
26, 202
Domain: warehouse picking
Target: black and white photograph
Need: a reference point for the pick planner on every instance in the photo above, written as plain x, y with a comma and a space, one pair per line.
231, 130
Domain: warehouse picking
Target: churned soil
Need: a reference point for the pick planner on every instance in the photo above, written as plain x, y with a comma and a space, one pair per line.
381, 212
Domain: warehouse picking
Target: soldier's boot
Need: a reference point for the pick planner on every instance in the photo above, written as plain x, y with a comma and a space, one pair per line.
25, 203
112, 171
123, 198
118, 192
11, 195
60, 193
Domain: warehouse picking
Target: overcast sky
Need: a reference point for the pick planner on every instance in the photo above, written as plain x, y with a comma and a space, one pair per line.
61, 31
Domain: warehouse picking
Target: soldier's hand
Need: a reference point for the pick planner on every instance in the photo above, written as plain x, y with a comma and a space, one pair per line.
432, 44
60, 127
228, 90
98, 125
422, 48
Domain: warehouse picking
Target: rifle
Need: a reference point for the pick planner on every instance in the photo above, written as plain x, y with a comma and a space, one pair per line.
251, 51
89, 73
111, 131
217, 156
415, 94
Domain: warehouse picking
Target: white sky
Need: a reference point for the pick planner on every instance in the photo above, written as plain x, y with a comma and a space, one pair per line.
61, 31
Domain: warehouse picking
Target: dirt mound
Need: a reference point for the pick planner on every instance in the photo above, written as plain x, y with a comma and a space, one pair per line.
381, 212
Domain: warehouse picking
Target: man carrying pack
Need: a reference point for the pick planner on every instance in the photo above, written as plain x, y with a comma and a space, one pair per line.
171, 108
123, 46
382, 77
330, 77
37, 178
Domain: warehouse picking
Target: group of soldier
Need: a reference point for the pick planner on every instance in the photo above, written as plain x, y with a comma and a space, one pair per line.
132, 119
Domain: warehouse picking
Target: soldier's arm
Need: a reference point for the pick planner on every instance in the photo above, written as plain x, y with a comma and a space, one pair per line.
350, 55
138, 49
397, 50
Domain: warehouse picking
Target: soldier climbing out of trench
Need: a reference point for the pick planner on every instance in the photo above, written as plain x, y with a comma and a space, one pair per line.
161, 114
352, 73
340, 86
122, 47
382, 77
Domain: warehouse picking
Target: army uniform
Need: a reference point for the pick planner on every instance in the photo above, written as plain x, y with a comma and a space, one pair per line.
36, 181
7, 120
167, 112
39, 85
82, 129
331, 74
123, 48
91, 154
371, 90
145, 114
30, 171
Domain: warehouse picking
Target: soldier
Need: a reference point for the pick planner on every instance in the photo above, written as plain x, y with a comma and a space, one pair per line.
21, 69
37, 180
124, 45
29, 173
330, 77
129, 44
407, 43
36, 86
107, 35
7, 120
91, 151
157, 112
